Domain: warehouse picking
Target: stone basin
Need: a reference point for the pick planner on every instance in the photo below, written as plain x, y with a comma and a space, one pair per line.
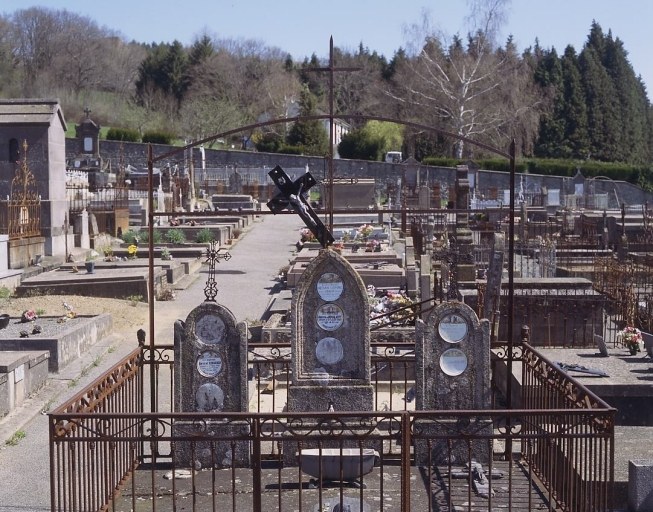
333, 458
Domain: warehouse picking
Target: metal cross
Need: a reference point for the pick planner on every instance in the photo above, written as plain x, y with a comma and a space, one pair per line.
213, 256
293, 197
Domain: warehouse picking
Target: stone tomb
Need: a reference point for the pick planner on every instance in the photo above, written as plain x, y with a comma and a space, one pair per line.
211, 378
330, 342
452, 357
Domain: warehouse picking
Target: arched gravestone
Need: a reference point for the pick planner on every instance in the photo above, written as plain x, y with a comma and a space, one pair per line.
452, 357
330, 338
210, 371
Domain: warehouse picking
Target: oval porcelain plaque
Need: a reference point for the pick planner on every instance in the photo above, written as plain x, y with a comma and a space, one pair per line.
209, 363
329, 351
453, 361
329, 286
452, 328
329, 317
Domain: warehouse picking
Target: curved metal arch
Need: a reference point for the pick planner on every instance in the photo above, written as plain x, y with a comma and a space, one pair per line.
319, 117
510, 155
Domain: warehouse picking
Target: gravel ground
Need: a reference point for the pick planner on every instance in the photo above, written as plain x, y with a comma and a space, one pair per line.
127, 316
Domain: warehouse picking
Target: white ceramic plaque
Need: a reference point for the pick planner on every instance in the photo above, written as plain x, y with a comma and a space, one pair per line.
329, 351
452, 328
329, 317
210, 329
209, 398
209, 363
453, 361
329, 286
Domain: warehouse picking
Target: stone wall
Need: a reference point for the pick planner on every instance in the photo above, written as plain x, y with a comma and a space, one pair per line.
135, 154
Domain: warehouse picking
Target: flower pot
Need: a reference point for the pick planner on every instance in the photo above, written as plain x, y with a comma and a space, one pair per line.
90, 267
633, 350
4, 320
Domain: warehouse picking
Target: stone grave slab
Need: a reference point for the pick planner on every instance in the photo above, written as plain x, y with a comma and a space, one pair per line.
112, 282
64, 341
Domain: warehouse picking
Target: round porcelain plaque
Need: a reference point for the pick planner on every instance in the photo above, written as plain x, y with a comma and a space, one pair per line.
453, 362
209, 398
452, 328
329, 317
210, 329
330, 286
329, 351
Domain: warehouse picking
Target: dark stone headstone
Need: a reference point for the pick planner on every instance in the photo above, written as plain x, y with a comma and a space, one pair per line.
330, 347
210, 370
452, 357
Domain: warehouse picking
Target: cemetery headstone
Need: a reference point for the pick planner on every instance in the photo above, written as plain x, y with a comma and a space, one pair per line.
330, 341
494, 278
330, 338
210, 377
452, 357
210, 370
465, 268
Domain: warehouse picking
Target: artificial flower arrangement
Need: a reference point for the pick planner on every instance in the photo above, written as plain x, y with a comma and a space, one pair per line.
364, 231
132, 250
372, 246
338, 246
29, 315
307, 235
385, 302
631, 337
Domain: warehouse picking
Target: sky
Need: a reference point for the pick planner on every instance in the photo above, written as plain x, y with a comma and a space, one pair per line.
303, 27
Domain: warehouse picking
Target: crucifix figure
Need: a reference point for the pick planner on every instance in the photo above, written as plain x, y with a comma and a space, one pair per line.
293, 197
213, 256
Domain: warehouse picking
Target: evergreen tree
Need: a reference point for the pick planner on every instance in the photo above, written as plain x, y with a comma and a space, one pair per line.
574, 109
310, 134
548, 75
633, 105
602, 107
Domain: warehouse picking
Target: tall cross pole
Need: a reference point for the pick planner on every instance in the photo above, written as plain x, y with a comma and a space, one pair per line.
331, 69
213, 256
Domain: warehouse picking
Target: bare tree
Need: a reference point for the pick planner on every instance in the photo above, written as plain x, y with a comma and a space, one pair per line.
32, 36
242, 81
120, 63
463, 86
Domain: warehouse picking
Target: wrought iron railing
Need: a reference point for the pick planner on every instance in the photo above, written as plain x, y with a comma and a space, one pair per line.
101, 199
108, 453
20, 218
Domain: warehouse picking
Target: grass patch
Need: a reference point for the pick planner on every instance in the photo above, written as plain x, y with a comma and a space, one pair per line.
134, 300
5, 292
16, 438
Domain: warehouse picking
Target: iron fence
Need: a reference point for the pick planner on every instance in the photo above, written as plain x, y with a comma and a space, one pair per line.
108, 453
20, 218
100, 199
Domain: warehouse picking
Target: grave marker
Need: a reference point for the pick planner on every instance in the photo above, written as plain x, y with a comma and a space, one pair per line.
330, 343
210, 377
452, 357
210, 370
494, 278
